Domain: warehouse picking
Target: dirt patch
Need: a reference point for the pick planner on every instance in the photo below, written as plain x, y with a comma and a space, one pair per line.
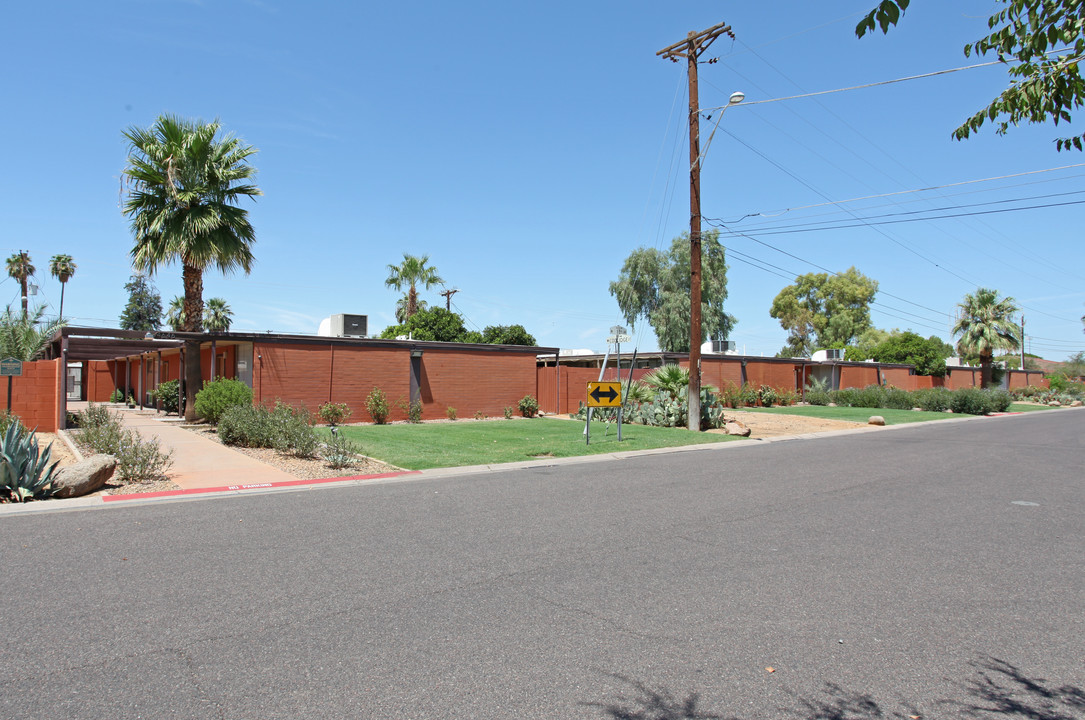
764, 425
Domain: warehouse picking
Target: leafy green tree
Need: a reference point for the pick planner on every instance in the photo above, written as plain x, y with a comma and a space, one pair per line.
62, 268
436, 324
507, 335
410, 273
401, 307
1042, 41
20, 268
24, 337
144, 308
863, 347
986, 325
928, 355
217, 315
654, 286
823, 311
185, 183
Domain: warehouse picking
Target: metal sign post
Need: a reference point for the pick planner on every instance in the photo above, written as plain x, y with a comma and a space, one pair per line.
604, 394
11, 367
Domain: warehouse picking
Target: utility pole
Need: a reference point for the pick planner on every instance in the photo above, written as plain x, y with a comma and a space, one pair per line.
691, 49
1023, 342
448, 298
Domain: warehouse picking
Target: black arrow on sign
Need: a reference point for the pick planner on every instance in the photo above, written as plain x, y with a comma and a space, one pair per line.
610, 394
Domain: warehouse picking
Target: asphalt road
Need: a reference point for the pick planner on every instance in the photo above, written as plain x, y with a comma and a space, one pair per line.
934, 571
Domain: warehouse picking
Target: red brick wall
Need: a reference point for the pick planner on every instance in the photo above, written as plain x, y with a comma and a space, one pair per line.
781, 376
957, 378
722, 371
98, 380
900, 378
35, 395
858, 377
474, 381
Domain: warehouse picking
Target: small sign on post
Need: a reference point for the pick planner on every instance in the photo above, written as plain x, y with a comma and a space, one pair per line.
604, 394
11, 367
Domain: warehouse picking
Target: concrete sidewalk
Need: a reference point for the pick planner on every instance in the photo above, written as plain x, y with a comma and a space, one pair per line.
197, 461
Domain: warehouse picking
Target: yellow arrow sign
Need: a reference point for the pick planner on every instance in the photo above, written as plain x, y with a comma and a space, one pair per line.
604, 394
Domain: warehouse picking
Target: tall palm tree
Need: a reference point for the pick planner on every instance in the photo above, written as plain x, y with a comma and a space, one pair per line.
985, 325
408, 274
185, 183
175, 313
20, 268
401, 308
217, 315
62, 268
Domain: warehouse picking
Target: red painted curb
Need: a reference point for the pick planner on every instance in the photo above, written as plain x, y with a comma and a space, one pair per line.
252, 486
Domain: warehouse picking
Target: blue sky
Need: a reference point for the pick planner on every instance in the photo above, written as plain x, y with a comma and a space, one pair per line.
528, 149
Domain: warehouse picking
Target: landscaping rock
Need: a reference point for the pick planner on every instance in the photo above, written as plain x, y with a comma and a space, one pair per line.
84, 477
876, 420
736, 428
917, 409
1076, 403
1054, 403
831, 405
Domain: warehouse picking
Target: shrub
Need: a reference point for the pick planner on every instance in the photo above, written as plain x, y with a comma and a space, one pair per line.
932, 399
8, 418
971, 401
25, 471
507, 411
137, 458
166, 394
450, 412
247, 426
747, 395
294, 431
872, 396
340, 452
788, 397
376, 404
768, 395
638, 392
413, 410
218, 396
479, 415
335, 413
117, 396
729, 395
818, 397
898, 399
529, 406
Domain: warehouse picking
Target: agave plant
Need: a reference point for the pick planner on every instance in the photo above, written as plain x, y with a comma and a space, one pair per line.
670, 379
25, 471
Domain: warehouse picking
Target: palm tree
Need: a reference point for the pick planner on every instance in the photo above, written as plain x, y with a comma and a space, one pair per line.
401, 308
20, 268
24, 337
62, 268
186, 181
410, 273
985, 325
175, 313
217, 315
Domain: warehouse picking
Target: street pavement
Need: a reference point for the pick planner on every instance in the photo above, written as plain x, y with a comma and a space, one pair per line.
933, 571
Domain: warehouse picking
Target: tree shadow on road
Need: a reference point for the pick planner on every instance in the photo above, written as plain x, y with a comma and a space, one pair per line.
996, 690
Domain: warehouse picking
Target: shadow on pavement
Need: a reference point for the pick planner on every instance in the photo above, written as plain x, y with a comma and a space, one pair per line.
997, 690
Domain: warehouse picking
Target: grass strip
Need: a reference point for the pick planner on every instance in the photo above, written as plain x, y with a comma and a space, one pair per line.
473, 442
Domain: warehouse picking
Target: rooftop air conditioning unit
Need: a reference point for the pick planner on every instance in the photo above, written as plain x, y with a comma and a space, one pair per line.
355, 326
834, 354
718, 346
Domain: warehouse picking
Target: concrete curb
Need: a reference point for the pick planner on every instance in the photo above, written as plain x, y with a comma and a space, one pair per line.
100, 501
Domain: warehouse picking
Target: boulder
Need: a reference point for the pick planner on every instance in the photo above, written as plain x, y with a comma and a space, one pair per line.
917, 409
876, 420
84, 477
1054, 403
736, 428
1076, 403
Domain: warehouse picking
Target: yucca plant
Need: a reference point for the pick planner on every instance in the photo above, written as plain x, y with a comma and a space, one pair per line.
670, 379
25, 471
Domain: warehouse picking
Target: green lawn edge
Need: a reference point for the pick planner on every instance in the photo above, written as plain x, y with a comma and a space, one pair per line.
854, 414
484, 442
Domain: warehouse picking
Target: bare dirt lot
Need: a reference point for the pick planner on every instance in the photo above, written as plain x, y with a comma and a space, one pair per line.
768, 425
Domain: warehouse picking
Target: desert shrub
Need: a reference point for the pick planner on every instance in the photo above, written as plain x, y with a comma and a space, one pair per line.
970, 401
729, 395
788, 397
479, 415
7, 418
138, 458
818, 397
117, 396
335, 413
998, 401
450, 413
339, 452
747, 395
844, 396
767, 395
376, 404
218, 396
26, 472
529, 406
872, 396
932, 399
507, 412
294, 431
637, 392
247, 426
166, 394
413, 410
898, 399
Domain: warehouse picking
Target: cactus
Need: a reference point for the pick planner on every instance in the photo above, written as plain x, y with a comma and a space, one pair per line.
25, 471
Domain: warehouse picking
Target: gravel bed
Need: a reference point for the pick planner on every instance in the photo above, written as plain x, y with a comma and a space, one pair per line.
304, 468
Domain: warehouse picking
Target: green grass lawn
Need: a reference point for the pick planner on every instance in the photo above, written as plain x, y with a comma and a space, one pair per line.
1027, 407
861, 415
470, 442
